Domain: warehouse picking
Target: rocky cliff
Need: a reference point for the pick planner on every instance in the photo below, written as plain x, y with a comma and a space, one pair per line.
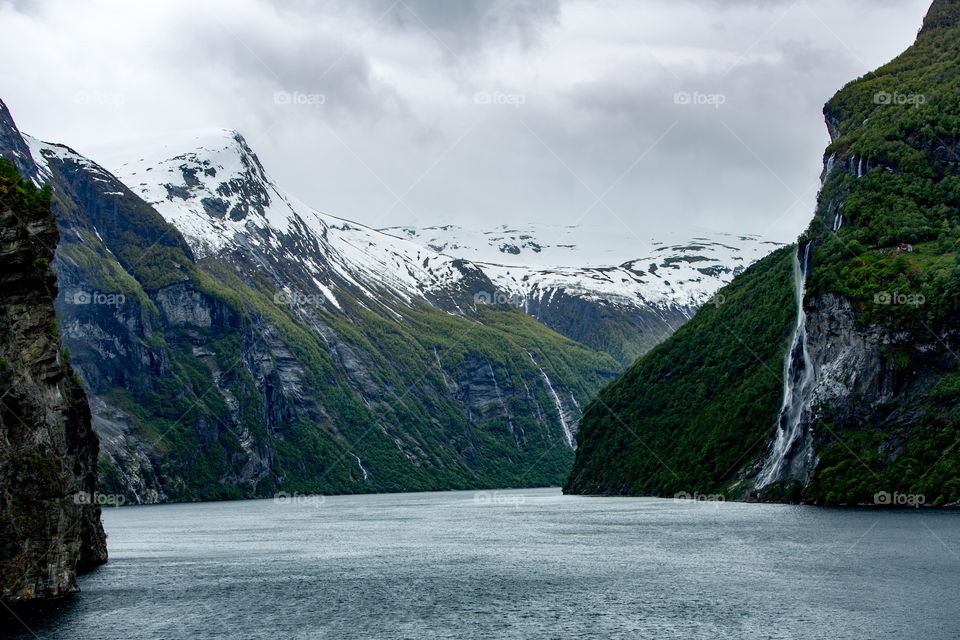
847, 344
49, 508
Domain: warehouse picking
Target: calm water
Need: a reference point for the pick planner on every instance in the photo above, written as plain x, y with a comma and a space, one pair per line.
519, 564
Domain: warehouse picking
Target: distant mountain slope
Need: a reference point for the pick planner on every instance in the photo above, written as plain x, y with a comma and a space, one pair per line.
235, 343
603, 288
861, 405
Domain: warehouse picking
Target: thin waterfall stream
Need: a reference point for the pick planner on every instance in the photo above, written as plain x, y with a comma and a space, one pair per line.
798, 380
567, 432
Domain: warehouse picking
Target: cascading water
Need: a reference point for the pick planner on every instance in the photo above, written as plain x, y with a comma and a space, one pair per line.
366, 476
567, 433
798, 381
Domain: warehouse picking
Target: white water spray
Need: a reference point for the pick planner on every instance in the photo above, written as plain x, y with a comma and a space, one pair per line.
798, 381
567, 433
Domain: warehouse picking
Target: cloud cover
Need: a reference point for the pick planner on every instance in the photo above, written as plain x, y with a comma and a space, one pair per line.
639, 117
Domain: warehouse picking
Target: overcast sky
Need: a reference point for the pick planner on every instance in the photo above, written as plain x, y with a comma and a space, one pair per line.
637, 116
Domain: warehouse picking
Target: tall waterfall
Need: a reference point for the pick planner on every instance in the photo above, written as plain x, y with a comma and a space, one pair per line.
798, 381
567, 433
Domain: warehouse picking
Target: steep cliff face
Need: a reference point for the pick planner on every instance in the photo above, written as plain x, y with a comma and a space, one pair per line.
860, 406
49, 509
236, 343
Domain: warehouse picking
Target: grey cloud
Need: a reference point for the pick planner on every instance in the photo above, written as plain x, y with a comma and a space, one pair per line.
597, 82
468, 25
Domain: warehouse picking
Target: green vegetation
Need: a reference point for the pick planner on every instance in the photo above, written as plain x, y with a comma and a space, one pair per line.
22, 195
689, 414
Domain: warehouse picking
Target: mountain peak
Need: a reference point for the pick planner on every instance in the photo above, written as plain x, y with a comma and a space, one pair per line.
204, 181
13, 146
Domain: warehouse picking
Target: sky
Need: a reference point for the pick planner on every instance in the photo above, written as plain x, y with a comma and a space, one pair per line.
634, 117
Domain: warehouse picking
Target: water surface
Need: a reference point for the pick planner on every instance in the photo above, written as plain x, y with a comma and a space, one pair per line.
517, 564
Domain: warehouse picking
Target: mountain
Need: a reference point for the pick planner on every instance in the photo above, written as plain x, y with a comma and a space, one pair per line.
606, 289
829, 376
235, 343
49, 510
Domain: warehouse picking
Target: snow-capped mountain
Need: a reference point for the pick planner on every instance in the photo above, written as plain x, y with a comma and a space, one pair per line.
652, 285
211, 186
614, 293
597, 263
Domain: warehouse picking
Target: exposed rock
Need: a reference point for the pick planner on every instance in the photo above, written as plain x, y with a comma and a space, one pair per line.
50, 526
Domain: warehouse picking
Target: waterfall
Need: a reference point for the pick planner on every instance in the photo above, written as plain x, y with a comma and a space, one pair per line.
533, 401
366, 476
838, 222
798, 382
451, 385
567, 433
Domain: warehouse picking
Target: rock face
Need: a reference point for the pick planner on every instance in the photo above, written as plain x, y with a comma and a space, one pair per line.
853, 374
50, 526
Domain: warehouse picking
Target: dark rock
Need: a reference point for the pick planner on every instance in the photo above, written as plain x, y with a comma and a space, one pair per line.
49, 511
